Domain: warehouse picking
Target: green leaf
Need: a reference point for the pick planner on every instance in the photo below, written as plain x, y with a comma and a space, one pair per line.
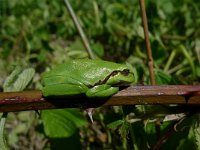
98, 49
187, 55
18, 79
76, 116
124, 129
7, 86
23, 79
196, 131
162, 77
115, 124
3, 144
62, 122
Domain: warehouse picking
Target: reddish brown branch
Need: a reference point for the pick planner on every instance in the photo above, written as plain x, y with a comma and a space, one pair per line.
169, 94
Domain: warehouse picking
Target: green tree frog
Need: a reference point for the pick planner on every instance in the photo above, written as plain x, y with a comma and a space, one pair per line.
95, 78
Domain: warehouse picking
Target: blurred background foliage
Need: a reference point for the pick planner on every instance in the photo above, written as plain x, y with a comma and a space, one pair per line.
41, 34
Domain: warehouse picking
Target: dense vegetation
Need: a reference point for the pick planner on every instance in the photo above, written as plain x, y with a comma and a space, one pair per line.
40, 34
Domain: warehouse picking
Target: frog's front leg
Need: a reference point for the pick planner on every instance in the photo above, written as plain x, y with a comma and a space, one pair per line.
103, 90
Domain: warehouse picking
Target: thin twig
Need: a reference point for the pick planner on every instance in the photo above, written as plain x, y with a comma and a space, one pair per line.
169, 94
164, 138
148, 44
80, 30
167, 117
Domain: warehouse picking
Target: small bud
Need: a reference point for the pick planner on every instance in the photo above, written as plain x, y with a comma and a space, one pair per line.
90, 113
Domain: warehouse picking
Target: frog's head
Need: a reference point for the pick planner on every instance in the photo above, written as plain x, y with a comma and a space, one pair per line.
120, 78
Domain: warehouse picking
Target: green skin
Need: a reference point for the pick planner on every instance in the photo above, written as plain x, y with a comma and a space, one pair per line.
95, 78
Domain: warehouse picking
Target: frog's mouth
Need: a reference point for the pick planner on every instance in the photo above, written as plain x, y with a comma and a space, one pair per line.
122, 83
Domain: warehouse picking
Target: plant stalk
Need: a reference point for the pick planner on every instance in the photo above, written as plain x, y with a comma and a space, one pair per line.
148, 44
80, 30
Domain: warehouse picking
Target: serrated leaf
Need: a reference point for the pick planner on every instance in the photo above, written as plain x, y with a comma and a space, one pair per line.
124, 129
23, 79
115, 124
62, 122
196, 131
7, 86
162, 78
18, 79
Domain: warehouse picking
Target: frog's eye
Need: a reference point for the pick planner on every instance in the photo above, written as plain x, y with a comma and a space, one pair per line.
125, 72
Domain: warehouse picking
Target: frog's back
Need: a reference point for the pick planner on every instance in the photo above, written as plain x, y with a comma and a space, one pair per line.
87, 70
90, 64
